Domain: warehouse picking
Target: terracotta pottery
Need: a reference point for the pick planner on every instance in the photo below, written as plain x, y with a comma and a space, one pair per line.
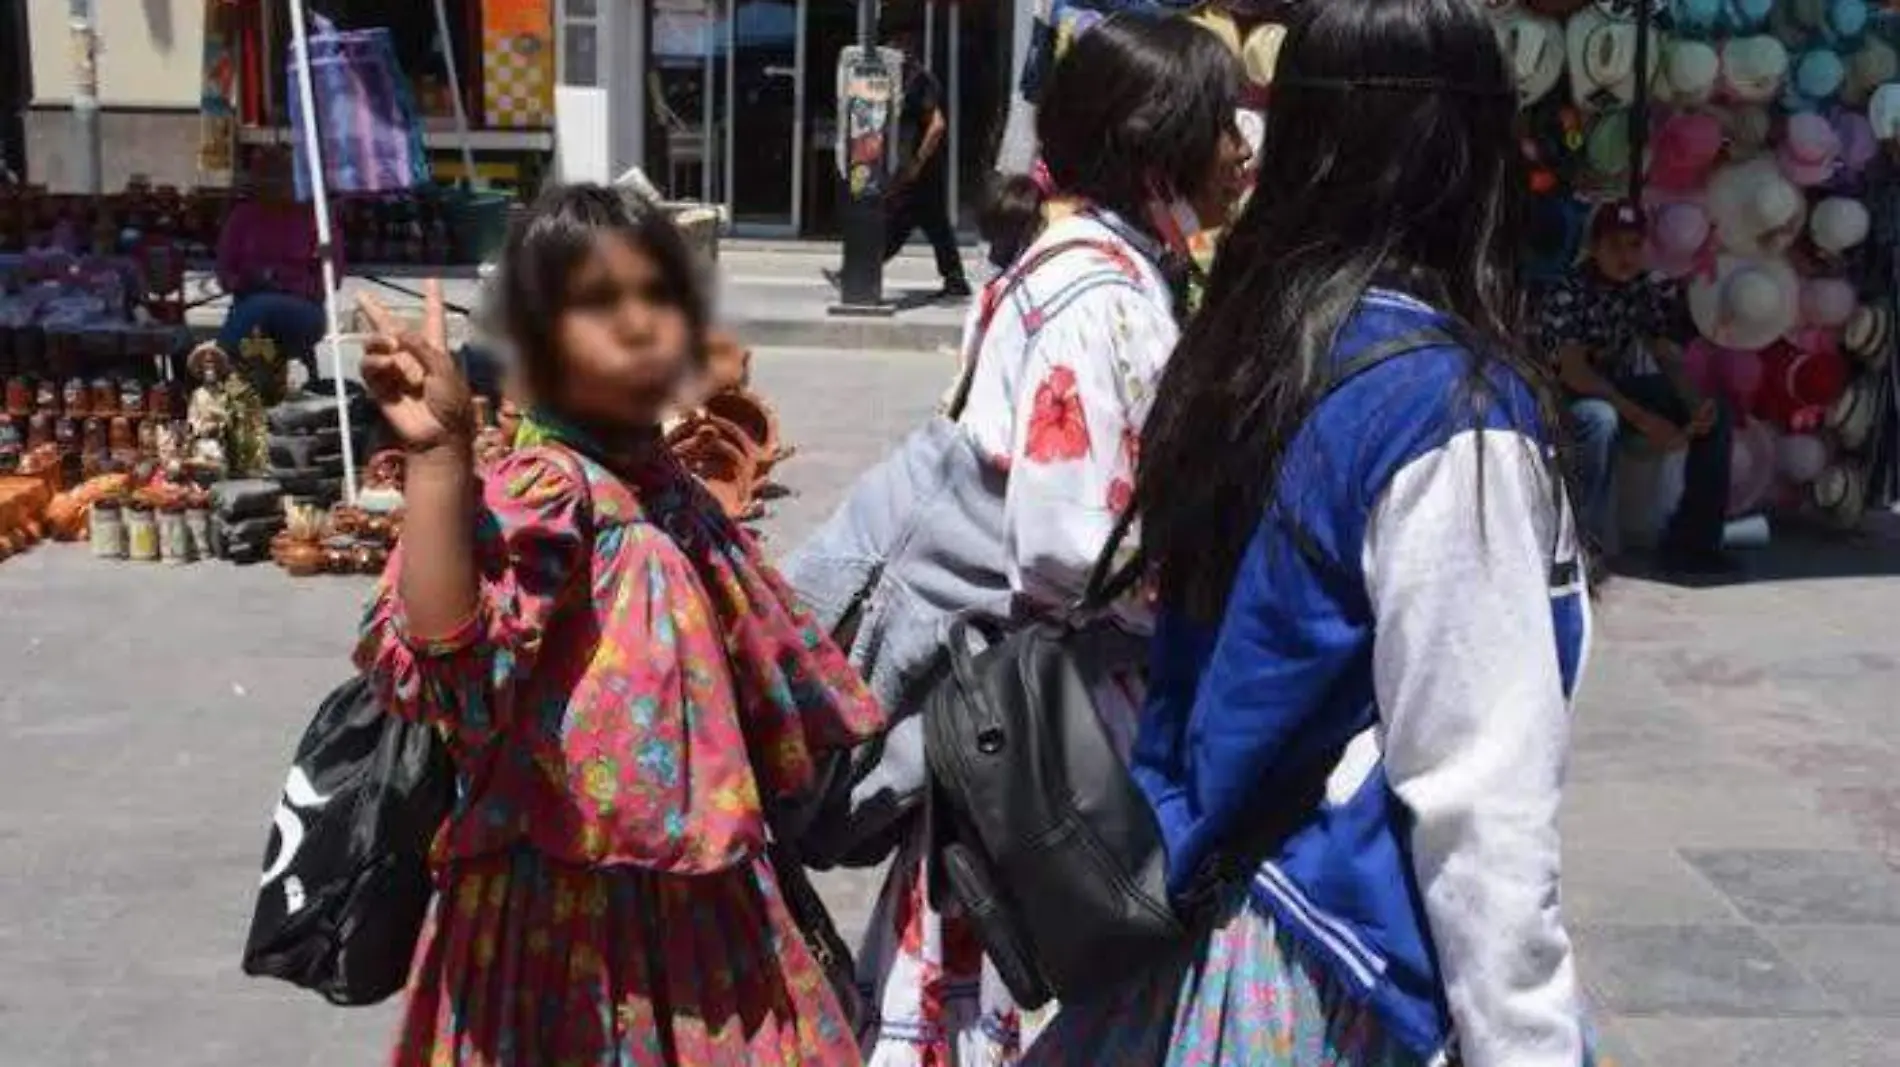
75, 398
722, 458
66, 434
302, 559
121, 435
105, 397
19, 396
132, 397
39, 430
46, 396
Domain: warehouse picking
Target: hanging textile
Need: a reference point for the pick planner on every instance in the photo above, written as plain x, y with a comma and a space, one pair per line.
217, 101
368, 125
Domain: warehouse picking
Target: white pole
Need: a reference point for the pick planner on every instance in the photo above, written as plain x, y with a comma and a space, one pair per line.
320, 204
455, 89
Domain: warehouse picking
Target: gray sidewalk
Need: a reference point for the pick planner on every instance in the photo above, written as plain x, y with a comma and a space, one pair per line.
1732, 827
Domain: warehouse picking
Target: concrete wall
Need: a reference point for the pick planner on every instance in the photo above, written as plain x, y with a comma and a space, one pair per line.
151, 52
161, 144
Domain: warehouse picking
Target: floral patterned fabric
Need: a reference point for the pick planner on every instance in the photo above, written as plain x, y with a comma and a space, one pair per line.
631, 685
1245, 999
1058, 393
530, 962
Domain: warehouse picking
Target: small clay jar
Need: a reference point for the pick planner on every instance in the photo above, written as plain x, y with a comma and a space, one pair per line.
122, 436
11, 442
302, 559
46, 396
75, 398
66, 434
141, 534
158, 401
174, 537
39, 430
108, 530
105, 397
19, 395
93, 439
148, 438
132, 397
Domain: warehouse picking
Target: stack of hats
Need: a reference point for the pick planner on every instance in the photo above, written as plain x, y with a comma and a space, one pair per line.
306, 441
245, 515
1758, 162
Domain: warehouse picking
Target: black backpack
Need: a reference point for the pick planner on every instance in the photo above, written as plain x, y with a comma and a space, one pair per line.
346, 879
1043, 838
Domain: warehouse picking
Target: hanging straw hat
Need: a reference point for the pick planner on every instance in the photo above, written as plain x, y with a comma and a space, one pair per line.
1838, 224
1689, 70
1828, 303
1696, 18
1801, 457
1756, 210
1868, 336
1534, 47
1810, 150
1747, 305
1753, 68
1745, 16
1816, 78
1602, 58
1883, 111
1606, 153
1841, 494
1260, 52
1684, 151
1872, 65
1681, 240
1852, 418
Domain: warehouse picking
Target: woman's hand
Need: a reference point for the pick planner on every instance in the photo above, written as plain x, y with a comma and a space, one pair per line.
412, 378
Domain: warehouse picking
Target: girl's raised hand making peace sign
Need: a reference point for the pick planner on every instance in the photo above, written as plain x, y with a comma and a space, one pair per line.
413, 379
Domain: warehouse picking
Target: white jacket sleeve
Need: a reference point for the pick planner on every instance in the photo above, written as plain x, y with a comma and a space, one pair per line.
1476, 730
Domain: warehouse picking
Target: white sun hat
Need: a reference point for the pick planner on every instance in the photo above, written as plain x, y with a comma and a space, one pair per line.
1689, 71
1534, 49
1852, 417
1757, 210
1602, 58
1753, 68
1839, 223
1749, 303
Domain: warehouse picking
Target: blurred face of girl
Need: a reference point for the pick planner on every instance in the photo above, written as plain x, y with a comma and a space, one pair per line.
624, 341
1226, 181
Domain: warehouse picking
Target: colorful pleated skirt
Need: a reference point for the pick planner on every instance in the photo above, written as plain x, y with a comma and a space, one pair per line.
529, 962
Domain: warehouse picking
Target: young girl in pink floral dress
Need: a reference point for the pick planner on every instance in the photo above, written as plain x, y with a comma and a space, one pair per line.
621, 682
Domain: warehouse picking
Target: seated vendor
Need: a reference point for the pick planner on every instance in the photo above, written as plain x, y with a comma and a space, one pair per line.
267, 261
1616, 336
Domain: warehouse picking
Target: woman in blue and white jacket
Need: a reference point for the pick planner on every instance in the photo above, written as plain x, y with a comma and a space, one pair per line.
1368, 584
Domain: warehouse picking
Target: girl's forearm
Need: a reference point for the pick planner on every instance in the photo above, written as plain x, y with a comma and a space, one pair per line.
439, 586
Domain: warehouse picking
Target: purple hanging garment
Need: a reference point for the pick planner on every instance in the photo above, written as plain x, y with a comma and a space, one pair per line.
368, 125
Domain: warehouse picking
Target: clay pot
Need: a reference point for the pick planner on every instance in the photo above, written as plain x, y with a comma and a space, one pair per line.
19, 396
66, 434
122, 436
105, 397
132, 397
302, 559
752, 415
39, 430
159, 403
722, 458
46, 396
75, 397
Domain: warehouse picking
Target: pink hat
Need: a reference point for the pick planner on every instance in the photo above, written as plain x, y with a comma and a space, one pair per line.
1801, 457
1730, 373
1681, 240
1810, 150
1827, 302
1685, 150
1858, 145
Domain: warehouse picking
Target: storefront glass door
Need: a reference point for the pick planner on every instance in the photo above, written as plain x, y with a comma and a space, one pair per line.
765, 91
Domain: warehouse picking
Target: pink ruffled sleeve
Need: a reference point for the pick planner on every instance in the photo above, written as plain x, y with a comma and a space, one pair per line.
531, 550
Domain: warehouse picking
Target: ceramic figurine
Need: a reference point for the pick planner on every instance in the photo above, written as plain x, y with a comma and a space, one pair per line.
262, 365
208, 418
247, 448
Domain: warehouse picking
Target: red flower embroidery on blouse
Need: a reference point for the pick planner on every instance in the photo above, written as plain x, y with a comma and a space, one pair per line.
1120, 495
1058, 429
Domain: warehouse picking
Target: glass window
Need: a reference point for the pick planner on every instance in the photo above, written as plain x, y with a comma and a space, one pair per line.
581, 54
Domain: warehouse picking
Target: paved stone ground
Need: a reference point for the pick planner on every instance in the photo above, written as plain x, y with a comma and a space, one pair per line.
1733, 822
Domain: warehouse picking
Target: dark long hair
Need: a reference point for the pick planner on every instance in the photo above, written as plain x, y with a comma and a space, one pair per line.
1389, 159
555, 237
1138, 99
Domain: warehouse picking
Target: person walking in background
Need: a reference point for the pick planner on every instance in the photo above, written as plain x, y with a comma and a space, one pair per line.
622, 683
1371, 611
920, 195
1615, 334
1138, 140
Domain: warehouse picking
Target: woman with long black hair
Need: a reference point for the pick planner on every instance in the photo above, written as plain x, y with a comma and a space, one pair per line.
1371, 612
1063, 351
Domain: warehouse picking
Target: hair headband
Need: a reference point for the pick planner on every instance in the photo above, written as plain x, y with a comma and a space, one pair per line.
1396, 84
